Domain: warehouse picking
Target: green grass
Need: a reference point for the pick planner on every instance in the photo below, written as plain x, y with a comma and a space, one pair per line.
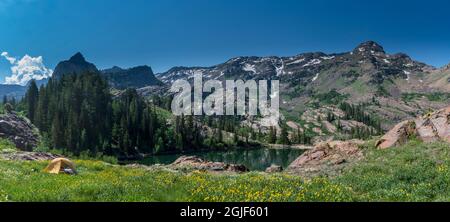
414, 172
434, 97
359, 87
98, 181
6, 146
331, 97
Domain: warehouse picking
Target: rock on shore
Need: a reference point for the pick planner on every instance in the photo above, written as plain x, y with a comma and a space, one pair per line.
196, 163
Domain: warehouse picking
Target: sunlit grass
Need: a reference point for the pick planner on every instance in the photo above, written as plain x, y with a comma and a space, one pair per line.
414, 172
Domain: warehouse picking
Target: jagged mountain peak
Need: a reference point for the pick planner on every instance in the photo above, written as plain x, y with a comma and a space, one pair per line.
77, 64
77, 58
369, 47
367, 64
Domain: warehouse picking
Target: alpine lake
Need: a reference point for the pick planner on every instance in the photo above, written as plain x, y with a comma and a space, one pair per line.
257, 159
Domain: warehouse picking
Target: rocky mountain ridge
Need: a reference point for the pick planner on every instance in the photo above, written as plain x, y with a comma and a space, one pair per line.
390, 87
305, 65
135, 77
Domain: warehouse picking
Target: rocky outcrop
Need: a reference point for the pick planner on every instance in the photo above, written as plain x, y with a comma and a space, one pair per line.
28, 156
429, 128
327, 158
19, 131
196, 163
397, 135
274, 169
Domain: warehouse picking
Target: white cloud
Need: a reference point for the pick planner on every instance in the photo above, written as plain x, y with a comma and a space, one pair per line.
11, 60
26, 69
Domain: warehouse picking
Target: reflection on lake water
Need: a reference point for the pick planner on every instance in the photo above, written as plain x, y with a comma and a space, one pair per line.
255, 159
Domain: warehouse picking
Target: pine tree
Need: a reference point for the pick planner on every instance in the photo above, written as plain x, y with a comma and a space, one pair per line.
284, 135
272, 135
32, 97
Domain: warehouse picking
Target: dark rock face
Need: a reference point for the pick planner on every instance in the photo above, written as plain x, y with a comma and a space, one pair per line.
196, 163
119, 78
19, 131
137, 77
76, 65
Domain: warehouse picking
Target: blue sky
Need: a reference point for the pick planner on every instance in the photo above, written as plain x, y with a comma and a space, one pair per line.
169, 33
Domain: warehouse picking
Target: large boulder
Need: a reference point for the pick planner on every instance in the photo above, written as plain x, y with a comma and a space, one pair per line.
19, 131
327, 158
196, 163
429, 128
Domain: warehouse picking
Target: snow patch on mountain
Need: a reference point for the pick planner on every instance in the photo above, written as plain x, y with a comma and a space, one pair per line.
327, 57
296, 61
407, 74
312, 62
280, 70
249, 68
315, 77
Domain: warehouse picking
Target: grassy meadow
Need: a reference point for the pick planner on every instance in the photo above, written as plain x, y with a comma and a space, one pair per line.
414, 172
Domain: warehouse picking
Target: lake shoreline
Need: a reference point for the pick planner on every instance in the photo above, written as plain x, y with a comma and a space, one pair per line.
290, 147
255, 159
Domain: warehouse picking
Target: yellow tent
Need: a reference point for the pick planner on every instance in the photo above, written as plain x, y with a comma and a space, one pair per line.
60, 165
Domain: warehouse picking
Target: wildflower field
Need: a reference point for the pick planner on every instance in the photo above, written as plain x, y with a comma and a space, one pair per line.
414, 172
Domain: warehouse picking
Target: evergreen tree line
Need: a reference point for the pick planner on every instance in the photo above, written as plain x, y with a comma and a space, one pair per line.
77, 114
356, 112
298, 137
232, 124
11, 100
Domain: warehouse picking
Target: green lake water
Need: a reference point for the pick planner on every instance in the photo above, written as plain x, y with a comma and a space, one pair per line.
254, 159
